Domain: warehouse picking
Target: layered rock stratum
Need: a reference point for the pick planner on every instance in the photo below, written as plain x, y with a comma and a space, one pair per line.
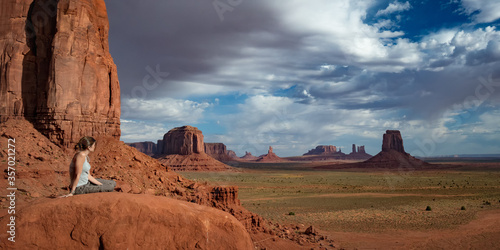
56, 69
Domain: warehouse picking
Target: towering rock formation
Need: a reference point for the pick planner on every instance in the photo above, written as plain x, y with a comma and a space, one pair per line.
393, 141
270, 157
56, 70
354, 148
184, 140
393, 154
183, 150
361, 149
147, 147
218, 151
322, 150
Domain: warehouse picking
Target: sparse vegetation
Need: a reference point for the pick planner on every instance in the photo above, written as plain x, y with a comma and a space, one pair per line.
462, 208
291, 213
344, 200
428, 208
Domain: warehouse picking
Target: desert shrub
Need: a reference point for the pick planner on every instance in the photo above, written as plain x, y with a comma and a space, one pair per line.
291, 213
462, 208
486, 203
428, 208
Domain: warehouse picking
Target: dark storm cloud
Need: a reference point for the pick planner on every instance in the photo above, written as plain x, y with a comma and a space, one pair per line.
187, 39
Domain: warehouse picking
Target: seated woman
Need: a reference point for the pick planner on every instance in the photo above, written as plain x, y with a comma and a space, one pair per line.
81, 182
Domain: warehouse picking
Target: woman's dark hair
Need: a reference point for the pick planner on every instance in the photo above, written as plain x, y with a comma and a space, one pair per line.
85, 143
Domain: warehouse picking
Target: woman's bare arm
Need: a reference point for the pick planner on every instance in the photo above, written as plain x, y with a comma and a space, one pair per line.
93, 180
80, 159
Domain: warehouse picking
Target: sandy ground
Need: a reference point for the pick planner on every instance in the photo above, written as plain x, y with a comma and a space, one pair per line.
482, 233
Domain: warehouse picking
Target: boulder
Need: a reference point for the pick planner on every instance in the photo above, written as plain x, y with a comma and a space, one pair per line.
124, 221
56, 70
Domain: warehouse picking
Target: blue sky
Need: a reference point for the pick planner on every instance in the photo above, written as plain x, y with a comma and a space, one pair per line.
297, 74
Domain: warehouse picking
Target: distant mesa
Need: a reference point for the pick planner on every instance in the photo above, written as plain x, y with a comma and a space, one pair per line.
232, 154
270, 157
147, 147
219, 152
249, 157
322, 150
329, 152
393, 141
183, 150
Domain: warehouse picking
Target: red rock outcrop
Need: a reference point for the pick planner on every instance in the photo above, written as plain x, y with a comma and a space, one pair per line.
143, 221
184, 150
147, 147
270, 157
232, 154
322, 149
56, 70
249, 157
184, 140
218, 151
393, 141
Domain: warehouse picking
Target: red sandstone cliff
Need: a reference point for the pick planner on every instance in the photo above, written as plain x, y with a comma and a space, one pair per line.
56, 70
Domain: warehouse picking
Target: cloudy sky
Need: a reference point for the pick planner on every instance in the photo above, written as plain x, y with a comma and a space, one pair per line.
295, 74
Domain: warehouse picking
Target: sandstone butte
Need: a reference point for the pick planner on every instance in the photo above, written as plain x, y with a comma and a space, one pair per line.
56, 69
392, 156
147, 147
184, 150
219, 152
249, 157
270, 157
143, 222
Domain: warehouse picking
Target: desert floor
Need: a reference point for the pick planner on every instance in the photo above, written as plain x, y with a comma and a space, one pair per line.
376, 209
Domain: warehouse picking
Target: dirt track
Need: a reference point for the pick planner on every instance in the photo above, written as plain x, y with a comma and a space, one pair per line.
482, 233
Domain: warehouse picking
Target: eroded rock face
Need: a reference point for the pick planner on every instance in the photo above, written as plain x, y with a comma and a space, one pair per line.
120, 221
218, 151
184, 140
56, 70
147, 147
393, 141
232, 154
